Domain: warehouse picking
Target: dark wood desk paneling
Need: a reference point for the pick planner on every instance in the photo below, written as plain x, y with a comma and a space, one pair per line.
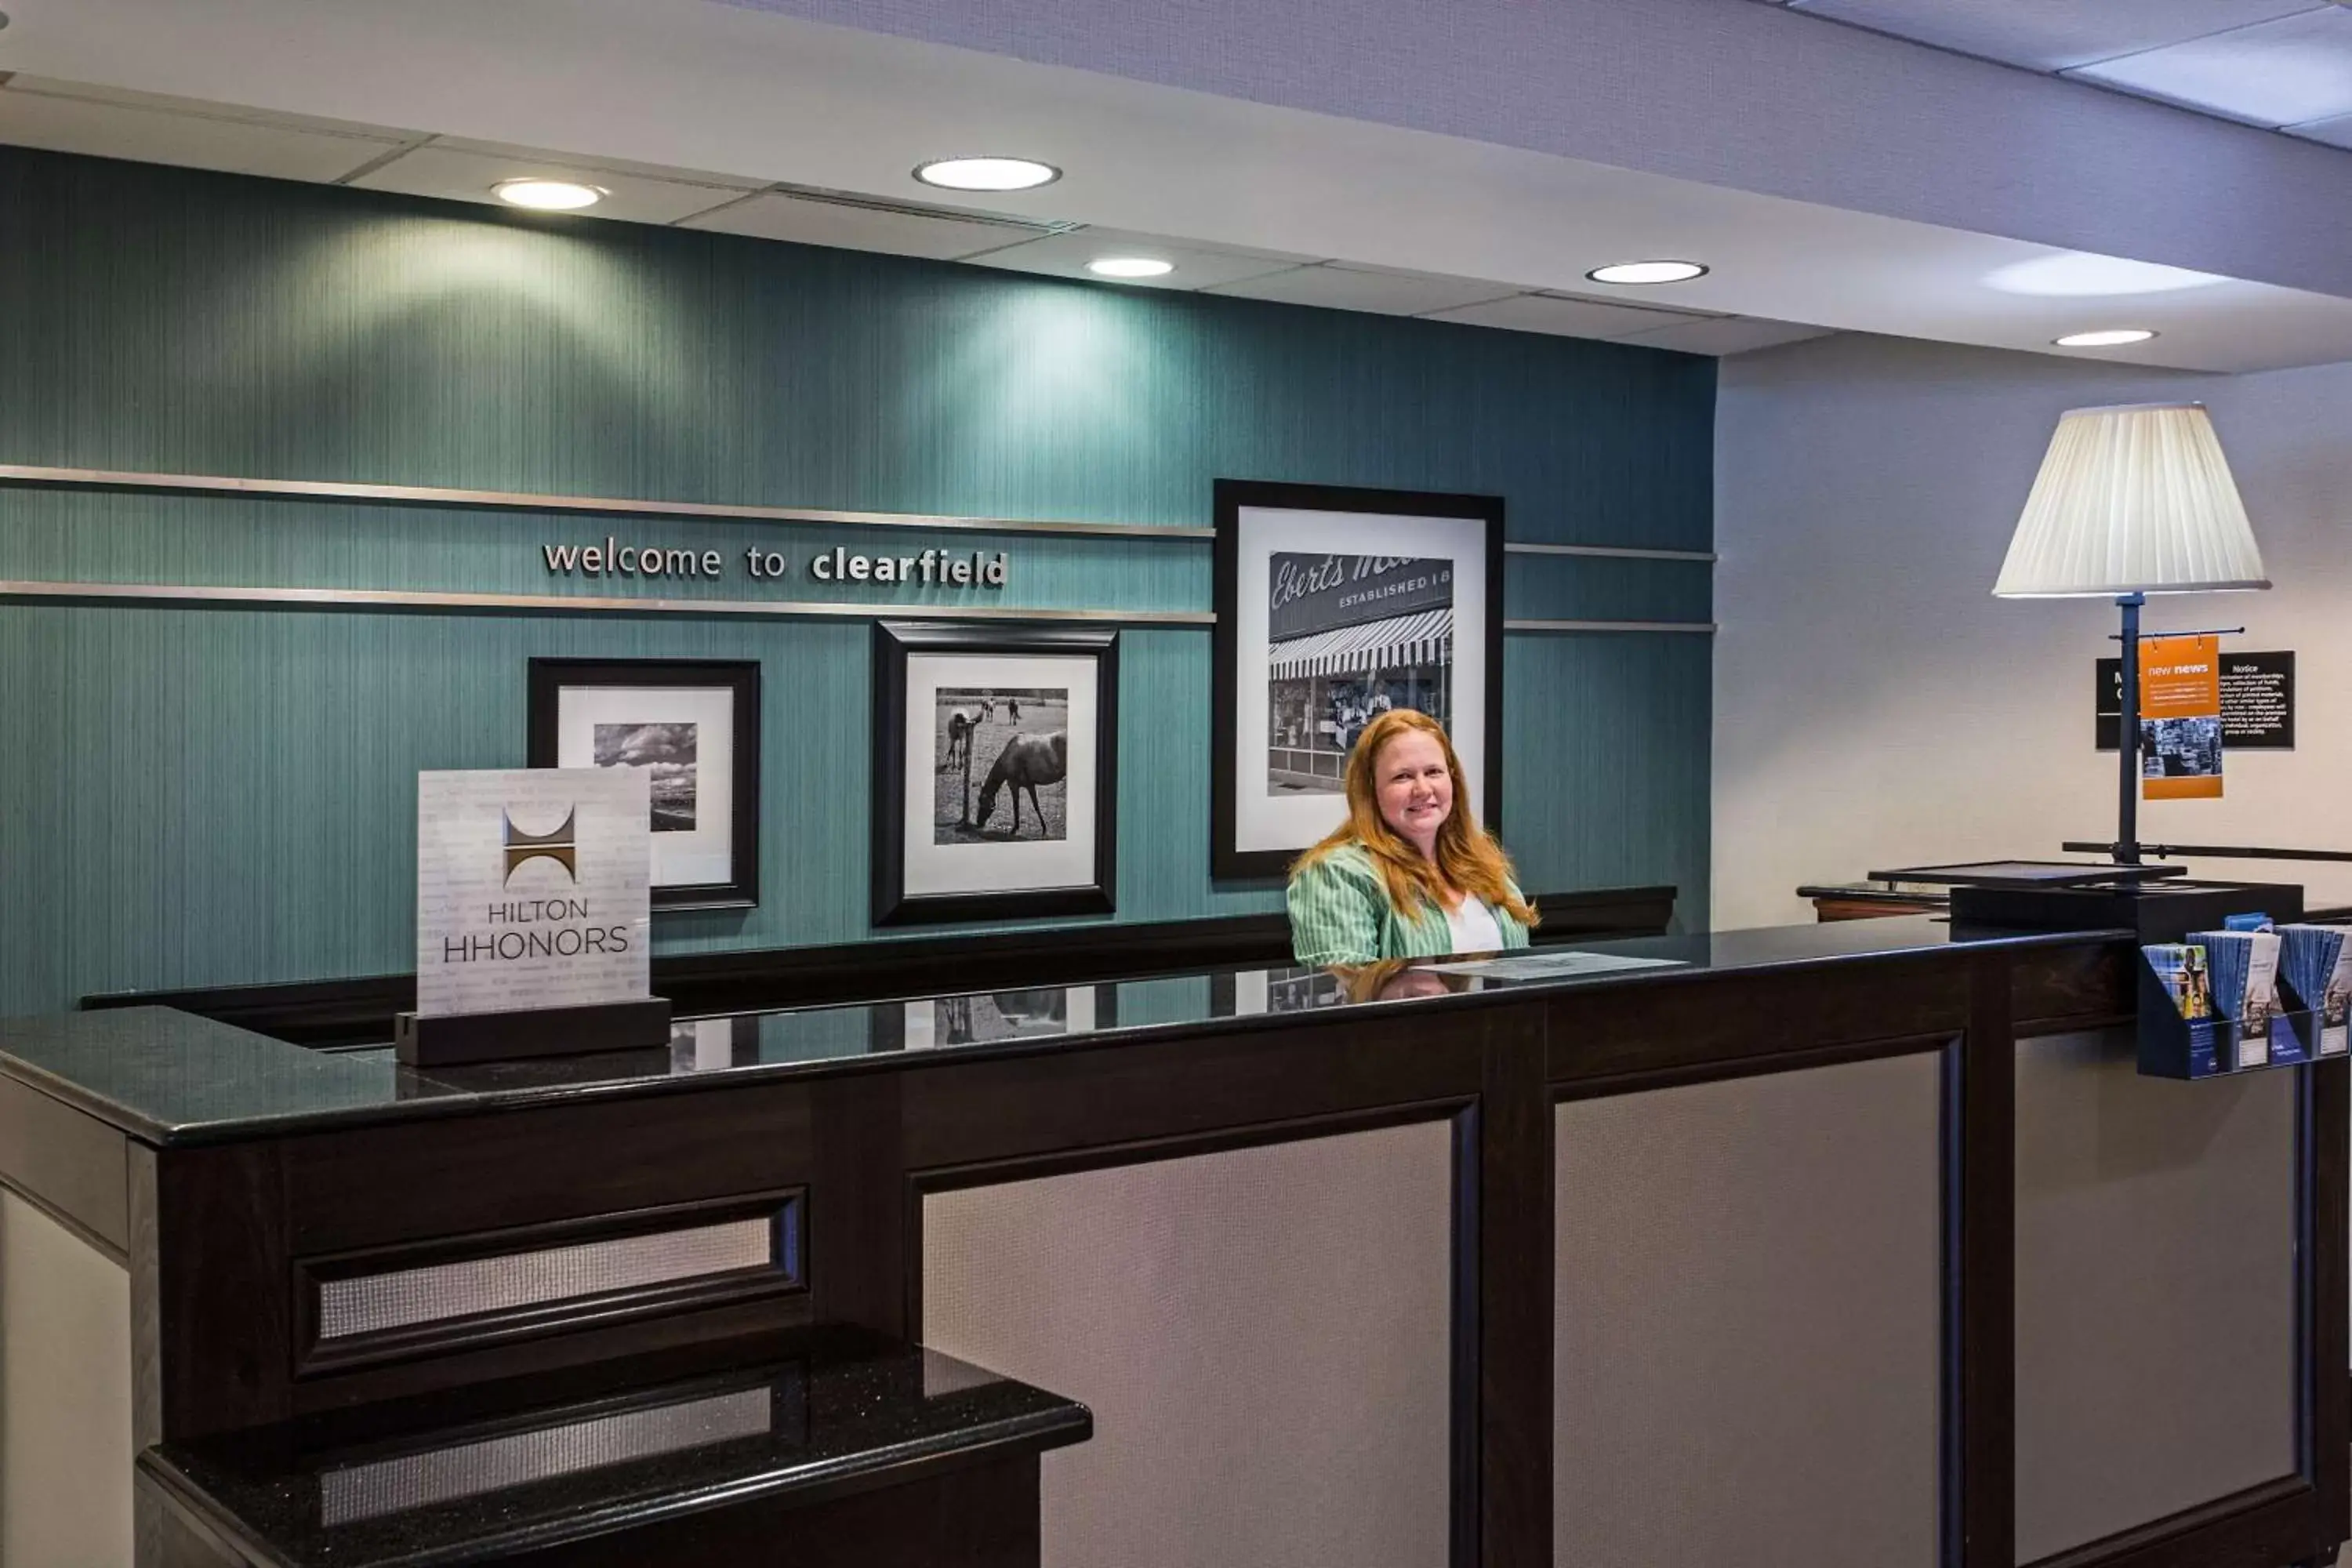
866, 1136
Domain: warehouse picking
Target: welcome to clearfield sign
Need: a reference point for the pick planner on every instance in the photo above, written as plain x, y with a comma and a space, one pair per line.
937, 568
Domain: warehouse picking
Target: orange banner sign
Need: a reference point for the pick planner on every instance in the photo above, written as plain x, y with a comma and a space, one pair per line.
2180, 718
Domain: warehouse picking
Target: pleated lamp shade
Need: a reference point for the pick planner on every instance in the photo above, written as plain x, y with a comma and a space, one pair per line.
2132, 501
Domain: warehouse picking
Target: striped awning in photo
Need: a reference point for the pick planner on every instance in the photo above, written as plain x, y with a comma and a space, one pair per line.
1424, 638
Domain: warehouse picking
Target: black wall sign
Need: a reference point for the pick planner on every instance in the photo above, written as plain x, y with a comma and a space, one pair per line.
2257, 701
1313, 593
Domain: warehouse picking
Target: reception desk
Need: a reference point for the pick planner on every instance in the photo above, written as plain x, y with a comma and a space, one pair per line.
1825, 1246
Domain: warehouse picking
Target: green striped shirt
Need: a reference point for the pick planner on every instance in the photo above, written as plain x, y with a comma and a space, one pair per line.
1339, 913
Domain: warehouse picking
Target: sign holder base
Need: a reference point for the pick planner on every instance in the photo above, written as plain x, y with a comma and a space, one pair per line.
459, 1039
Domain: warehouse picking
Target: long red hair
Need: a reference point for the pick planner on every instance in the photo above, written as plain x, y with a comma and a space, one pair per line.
1467, 858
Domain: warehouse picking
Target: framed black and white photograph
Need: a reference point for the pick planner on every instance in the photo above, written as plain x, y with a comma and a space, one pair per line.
693, 725
1334, 605
995, 772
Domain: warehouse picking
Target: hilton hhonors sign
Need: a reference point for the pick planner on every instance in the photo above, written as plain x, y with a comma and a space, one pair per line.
531, 889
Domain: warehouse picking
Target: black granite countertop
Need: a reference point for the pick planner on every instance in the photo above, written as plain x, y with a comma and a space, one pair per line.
169, 1078
1879, 892
847, 1410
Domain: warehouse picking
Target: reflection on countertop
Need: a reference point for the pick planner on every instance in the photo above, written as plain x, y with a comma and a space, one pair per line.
167, 1077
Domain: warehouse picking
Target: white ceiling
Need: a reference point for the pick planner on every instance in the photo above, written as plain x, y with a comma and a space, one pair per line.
2284, 65
712, 117
113, 122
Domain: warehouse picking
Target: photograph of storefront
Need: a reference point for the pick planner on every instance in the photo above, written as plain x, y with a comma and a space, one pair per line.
1351, 637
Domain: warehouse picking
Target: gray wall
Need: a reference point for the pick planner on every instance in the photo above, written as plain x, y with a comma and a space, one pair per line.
1876, 705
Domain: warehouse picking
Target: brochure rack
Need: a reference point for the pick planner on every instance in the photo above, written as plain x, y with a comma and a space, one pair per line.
458, 1039
2173, 1046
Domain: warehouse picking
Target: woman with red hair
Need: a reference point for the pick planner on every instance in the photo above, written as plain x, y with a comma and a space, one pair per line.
1410, 874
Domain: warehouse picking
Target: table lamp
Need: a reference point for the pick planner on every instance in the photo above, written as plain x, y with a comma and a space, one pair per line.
2131, 501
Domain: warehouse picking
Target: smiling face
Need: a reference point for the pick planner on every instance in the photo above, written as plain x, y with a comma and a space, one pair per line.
1415, 789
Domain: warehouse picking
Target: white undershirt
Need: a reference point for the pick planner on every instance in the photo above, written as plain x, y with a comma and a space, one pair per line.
1474, 925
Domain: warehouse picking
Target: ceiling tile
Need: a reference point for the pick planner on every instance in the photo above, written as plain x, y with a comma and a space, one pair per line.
1563, 316
95, 93
2335, 132
2051, 34
2279, 73
33, 116
773, 214
607, 165
1724, 335
465, 174
1343, 287
1197, 267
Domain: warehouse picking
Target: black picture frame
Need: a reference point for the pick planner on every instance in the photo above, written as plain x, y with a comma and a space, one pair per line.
894, 643
1227, 860
551, 677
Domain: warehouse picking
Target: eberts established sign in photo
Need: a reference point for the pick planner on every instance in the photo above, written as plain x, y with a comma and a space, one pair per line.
1321, 592
532, 888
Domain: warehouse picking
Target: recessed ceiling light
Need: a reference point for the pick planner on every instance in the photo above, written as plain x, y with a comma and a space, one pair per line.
2079, 273
987, 173
548, 195
2114, 338
1647, 272
1130, 266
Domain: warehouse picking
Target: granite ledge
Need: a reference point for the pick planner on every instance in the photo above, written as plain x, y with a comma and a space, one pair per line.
850, 1411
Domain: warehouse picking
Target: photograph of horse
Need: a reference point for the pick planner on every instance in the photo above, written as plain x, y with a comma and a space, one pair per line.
1002, 765
963, 718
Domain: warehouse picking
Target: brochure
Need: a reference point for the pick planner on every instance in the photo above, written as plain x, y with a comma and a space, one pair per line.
2317, 962
2182, 967
2244, 978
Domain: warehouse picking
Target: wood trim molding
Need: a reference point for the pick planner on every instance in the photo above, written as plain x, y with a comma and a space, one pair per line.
431, 601
1980, 1459
785, 1274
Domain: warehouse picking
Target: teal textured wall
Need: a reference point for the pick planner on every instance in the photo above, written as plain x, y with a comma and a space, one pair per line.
214, 796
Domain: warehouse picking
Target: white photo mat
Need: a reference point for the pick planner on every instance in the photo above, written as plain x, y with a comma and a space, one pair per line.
1018, 866
705, 853
1264, 820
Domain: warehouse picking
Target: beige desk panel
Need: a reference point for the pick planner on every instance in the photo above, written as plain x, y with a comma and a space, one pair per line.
1262, 1335
1749, 1329
65, 1397
2155, 1290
